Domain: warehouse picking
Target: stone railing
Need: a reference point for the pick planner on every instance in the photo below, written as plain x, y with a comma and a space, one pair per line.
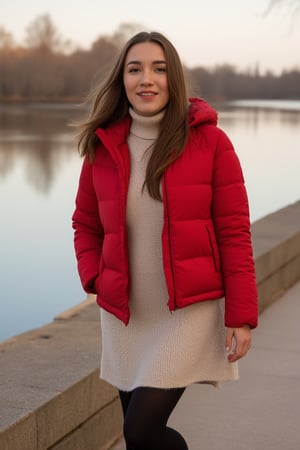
276, 242
51, 396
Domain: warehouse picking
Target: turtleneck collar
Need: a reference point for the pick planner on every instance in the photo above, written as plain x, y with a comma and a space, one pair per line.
145, 127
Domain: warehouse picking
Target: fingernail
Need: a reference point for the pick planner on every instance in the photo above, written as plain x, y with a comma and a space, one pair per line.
227, 349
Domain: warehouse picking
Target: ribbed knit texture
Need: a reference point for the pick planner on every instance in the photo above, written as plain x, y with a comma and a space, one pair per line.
158, 348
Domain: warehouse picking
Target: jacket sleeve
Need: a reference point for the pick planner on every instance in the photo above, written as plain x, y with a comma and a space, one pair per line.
232, 226
88, 230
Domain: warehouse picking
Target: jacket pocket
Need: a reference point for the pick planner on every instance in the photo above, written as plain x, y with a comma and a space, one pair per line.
214, 248
99, 276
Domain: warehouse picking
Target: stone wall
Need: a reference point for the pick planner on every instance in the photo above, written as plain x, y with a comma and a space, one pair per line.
276, 243
51, 396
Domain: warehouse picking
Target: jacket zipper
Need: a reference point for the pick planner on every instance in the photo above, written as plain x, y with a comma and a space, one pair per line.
169, 240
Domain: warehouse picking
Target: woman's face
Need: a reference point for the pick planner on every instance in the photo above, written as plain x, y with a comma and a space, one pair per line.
145, 78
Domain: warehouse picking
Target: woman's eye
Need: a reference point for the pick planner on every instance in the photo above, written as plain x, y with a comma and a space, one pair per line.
133, 70
161, 69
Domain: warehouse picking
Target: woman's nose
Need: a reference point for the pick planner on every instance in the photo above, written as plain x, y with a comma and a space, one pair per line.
146, 78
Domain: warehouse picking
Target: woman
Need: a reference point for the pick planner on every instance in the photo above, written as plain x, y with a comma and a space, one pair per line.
162, 237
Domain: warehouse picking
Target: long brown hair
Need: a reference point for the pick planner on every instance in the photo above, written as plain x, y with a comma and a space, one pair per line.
110, 105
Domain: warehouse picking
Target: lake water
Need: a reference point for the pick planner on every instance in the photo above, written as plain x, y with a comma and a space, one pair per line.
39, 170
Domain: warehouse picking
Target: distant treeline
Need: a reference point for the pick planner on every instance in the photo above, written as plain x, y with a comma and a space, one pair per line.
48, 68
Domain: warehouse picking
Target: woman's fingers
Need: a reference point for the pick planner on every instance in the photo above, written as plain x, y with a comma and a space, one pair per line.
238, 342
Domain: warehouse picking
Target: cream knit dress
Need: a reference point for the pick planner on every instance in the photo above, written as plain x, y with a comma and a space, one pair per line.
158, 348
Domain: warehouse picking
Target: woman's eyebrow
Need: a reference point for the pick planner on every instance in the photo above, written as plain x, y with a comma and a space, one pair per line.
133, 62
153, 62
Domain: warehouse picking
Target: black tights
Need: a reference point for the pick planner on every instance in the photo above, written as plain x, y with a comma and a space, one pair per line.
146, 412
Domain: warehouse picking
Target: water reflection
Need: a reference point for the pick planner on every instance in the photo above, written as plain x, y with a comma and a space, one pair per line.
39, 168
40, 136
267, 141
253, 117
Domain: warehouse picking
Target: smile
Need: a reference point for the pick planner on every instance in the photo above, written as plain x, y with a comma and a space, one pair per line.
146, 94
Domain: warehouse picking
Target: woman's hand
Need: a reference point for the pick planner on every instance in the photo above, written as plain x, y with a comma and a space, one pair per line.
238, 342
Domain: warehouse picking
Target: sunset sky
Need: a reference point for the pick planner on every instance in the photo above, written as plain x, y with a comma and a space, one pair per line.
204, 32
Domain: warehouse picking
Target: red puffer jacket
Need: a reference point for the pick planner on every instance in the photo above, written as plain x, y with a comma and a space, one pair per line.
206, 242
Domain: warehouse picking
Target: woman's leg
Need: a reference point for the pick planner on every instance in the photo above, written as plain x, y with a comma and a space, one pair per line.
146, 413
125, 397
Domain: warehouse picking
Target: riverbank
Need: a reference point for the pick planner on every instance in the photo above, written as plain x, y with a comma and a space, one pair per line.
261, 103
51, 395
244, 102
52, 99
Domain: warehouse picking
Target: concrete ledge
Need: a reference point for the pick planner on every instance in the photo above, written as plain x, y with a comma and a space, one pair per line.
276, 243
51, 396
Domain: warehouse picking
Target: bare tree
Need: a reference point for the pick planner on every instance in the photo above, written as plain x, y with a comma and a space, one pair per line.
6, 39
293, 6
42, 34
125, 31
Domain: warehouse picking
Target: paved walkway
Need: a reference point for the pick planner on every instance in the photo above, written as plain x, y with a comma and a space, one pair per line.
262, 410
